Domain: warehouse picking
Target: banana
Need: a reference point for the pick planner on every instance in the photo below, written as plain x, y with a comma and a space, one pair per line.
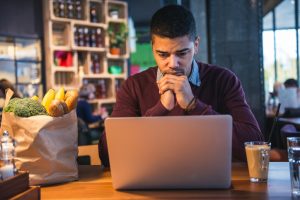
49, 96
35, 98
60, 95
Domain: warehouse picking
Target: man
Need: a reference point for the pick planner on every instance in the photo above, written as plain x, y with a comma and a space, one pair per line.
181, 86
290, 83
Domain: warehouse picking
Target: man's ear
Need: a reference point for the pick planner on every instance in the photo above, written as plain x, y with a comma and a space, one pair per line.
196, 44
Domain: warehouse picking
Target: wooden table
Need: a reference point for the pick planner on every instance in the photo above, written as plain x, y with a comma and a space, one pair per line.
295, 120
94, 183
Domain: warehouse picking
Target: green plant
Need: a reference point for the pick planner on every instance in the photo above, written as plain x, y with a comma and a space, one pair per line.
118, 33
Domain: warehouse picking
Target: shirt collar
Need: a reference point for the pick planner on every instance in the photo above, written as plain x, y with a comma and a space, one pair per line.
194, 76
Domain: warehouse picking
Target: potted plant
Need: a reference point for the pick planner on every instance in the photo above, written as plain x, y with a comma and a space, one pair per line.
118, 34
114, 13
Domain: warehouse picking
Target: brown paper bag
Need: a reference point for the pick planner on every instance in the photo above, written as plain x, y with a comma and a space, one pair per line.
46, 146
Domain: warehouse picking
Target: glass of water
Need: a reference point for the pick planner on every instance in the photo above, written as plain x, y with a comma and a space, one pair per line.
293, 145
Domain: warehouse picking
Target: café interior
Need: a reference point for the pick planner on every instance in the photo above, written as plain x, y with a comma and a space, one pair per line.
67, 44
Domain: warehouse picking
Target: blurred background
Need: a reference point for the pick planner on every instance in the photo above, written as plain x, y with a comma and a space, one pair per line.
70, 43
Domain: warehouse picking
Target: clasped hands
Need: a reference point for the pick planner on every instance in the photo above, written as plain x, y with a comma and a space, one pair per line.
174, 88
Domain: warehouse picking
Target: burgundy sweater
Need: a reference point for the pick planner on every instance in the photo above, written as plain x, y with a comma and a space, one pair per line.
220, 92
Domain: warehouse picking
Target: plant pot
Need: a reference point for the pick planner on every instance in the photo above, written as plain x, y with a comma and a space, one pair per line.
114, 14
115, 51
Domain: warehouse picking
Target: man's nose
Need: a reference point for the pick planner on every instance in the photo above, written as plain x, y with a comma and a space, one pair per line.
173, 62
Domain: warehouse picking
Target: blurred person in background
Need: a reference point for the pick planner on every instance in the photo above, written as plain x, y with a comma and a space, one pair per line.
289, 97
272, 99
291, 83
4, 85
276, 87
84, 109
93, 120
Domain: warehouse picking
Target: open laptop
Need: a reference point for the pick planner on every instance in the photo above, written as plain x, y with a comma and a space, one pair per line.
288, 97
178, 152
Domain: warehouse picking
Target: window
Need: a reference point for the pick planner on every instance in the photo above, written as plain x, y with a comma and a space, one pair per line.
269, 58
286, 54
280, 44
20, 63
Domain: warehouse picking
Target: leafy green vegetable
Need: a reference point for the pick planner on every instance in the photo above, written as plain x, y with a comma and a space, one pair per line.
25, 107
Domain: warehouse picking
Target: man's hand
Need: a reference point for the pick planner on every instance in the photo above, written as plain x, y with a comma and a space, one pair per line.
168, 99
179, 86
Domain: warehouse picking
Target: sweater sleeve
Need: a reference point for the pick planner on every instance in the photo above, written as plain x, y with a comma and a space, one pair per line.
128, 105
245, 126
125, 106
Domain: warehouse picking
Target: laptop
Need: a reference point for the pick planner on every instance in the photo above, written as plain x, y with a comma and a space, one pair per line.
170, 152
288, 97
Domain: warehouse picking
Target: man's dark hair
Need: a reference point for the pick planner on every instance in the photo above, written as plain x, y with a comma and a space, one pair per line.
173, 21
290, 83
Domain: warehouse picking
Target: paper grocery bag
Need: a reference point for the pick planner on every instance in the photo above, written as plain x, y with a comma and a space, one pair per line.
46, 146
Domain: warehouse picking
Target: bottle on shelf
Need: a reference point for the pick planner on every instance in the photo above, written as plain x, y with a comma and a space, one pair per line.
78, 9
70, 78
86, 37
62, 8
7, 154
70, 9
81, 58
80, 36
76, 36
56, 8
101, 89
114, 13
93, 37
99, 37
81, 71
93, 13
96, 69
56, 77
62, 78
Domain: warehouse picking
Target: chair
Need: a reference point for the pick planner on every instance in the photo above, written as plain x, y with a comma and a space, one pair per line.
291, 112
88, 135
83, 133
88, 155
286, 131
289, 130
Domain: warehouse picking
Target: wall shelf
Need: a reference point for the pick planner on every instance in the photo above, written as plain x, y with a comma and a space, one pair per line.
85, 41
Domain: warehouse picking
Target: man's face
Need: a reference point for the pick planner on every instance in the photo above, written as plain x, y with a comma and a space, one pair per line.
173, 53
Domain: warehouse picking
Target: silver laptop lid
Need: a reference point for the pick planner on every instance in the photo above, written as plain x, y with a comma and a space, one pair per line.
180, 152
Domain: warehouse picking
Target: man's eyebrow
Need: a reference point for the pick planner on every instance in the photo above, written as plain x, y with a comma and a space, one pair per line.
182, 50
179, 51
159, 51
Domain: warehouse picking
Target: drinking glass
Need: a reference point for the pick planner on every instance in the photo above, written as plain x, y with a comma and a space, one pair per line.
258, 154
293, 145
